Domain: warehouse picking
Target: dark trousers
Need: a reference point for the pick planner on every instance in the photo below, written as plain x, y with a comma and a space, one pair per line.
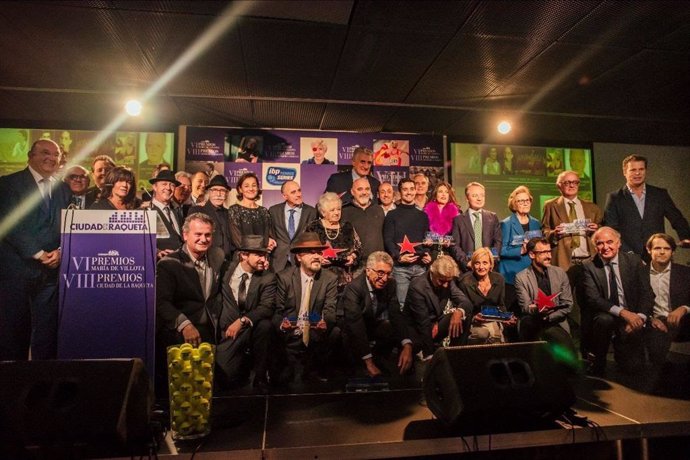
313, 358
658, 342
234, 355
29, 317
628, 348
379, 330
533, 327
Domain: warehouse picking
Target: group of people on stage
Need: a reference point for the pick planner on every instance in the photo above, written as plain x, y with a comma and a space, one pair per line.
360, 277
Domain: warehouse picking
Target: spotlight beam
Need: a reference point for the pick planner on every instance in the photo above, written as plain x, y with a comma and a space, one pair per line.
226, 19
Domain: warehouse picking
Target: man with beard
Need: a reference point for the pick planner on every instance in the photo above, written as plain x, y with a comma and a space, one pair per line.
365, 216
217, 191
550, 325
305, 306
248, 295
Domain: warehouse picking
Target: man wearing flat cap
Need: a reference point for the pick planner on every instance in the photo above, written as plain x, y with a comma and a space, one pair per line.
248, 295
305, 306
217, 191
169, 226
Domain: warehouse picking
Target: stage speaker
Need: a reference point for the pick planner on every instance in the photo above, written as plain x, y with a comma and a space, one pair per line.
496, 385
74, 402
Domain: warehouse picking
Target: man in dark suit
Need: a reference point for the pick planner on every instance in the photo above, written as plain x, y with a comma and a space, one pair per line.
289, 219
616, 299
671, 285
372, 312
29, 249
638, 209
100, 166
437, 308
187, 283
466, 228
217, 191
341, 182
305, 306
248, 294
77, 179
168, 230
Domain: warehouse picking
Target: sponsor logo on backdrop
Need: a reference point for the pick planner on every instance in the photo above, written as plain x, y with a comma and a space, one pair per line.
279, 175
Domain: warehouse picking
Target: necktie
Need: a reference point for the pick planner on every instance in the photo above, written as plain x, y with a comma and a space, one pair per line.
304, 312
572, 217
45, 191
291, 223
171, 219
242, 293
613, 285
477, 226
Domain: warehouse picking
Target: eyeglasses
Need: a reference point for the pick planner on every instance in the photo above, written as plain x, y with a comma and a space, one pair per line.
571, 183
527, 201
380, 273
219, 191
77, 177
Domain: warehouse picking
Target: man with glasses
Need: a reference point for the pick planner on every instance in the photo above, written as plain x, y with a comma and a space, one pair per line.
372, 313
571, 243
217, 191
183, 192
546, 287
476, 227
77, 178
438, 310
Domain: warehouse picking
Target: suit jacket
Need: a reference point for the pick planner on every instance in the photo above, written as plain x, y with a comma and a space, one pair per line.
634, 278
679, 286
92, 196
526, 288
341, 183
38, 230
180, 296
174, 241
463, 235
556, 213
357, 304
424, 306
512, 261
323, 299
221, 230
621, 214
261, 297
279, 255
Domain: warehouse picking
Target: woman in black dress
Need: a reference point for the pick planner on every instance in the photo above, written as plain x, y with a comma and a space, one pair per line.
246, 216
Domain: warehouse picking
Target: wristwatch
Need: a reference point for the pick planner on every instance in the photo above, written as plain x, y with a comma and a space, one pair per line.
244, 321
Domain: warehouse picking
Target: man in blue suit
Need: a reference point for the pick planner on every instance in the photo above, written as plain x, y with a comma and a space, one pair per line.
341, 182
638, 209
30, 252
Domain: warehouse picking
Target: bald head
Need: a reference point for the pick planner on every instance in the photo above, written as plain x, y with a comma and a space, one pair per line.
361, 192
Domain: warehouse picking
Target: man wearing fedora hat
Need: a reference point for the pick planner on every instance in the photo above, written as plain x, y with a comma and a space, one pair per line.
169, 227
305, 306
248, 300
217, 191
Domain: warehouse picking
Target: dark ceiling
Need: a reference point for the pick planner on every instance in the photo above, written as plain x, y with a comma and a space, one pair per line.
561, 70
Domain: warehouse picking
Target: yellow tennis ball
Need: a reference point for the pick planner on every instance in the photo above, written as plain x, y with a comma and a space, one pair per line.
185, 428
187, 372
177, 397
185, 407
173, 353
186, 389
205, 389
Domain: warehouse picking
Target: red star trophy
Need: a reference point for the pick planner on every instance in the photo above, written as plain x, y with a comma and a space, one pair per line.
330, 252
407, 246
545, 303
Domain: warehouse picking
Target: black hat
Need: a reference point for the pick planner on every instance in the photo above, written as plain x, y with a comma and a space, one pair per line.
165, 175
307, 241
218, 181
253, 243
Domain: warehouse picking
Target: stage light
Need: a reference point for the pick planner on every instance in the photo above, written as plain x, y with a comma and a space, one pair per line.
133, 107
504, 127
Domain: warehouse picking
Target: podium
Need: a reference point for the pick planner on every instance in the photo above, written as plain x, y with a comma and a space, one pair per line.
107, 295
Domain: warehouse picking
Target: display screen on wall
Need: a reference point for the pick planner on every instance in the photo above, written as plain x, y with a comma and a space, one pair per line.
137, 150
501, 168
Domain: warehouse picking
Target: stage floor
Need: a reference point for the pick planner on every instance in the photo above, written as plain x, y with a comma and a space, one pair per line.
397, 423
